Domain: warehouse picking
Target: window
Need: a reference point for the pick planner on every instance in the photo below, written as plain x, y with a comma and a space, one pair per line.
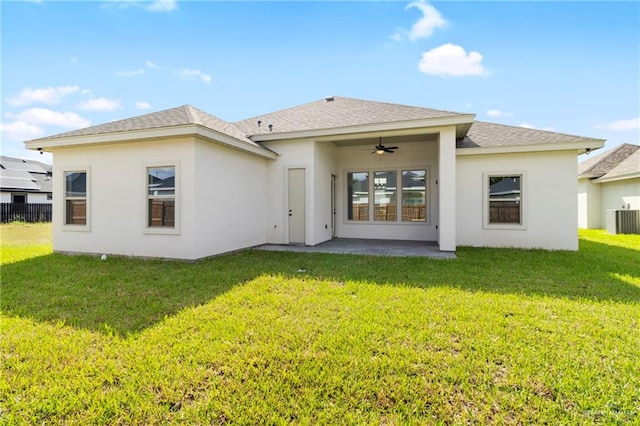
161, 197
505, 199
414, 196
75, 193
385, 188
19, 198
388, 203
358, 193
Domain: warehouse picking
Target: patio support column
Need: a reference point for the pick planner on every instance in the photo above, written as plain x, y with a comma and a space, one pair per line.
447, 189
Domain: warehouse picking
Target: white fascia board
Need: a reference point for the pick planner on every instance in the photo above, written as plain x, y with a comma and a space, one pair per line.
342, 133
605, 179
137, 135
578, 146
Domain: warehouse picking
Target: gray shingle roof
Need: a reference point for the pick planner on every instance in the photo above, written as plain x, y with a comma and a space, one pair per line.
179, 116
335, 112
483, 134
329, 113
602, 164
631, 165
24, 175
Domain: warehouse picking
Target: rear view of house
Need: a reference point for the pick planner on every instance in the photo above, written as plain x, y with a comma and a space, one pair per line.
182, 183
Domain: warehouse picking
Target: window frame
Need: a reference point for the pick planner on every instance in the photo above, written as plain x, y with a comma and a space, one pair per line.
487, 202
86, 227
19, 194
162, 230
371, 171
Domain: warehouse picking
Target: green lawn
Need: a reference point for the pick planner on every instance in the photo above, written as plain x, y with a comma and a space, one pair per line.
497, 336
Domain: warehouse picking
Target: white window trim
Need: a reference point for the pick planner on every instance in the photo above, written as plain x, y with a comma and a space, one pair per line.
152, 230
74, 227
523, 203
398, 221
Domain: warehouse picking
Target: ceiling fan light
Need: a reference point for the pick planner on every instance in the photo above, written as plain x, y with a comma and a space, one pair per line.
379, 151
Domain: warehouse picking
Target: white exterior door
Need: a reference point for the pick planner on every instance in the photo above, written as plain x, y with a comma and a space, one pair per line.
297, 206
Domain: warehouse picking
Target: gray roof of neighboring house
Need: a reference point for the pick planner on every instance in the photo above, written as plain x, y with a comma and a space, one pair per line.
179, 116
483, 134
335, 112
608, 161
17, 174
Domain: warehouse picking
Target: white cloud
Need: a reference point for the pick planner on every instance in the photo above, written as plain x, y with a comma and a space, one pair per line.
162, 6
195, 75
20, 130
152, 6
621, 125
101, 104
150, 64
47, 95
451, 59
131, 73
43, 116
143, 105
498, 113
424, 27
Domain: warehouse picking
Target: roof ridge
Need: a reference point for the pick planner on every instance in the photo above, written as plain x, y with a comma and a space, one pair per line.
192, 114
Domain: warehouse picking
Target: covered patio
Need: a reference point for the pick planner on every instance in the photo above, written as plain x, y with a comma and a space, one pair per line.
368, 247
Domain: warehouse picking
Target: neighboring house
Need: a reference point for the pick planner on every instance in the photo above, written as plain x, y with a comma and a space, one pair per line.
25, 181
608, 181
190, 185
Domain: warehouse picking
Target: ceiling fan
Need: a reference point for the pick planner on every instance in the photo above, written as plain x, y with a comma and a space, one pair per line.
381, 149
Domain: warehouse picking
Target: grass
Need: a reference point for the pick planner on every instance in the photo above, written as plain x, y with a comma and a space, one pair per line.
22, 241
497, 336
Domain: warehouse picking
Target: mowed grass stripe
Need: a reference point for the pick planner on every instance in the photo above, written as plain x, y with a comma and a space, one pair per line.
427, 342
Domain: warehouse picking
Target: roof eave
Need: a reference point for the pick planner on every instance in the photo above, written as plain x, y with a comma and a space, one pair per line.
605, 178
580, 146
157, 133
462, 120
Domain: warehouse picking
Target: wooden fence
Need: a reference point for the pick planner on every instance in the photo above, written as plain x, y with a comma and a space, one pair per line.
504, 213
387, 213
12, 212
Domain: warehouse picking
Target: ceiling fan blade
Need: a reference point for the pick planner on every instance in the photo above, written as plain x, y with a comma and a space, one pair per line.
392, 147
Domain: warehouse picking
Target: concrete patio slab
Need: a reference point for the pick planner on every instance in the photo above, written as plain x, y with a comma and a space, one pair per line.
428, 249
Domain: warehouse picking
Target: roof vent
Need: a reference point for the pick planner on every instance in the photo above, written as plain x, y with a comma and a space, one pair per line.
329, 99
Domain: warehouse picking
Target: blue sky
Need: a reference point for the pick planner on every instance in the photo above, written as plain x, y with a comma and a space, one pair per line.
570, 67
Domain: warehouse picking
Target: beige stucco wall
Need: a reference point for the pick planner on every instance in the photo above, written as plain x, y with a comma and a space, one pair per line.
615, 194
589, 204
230, 200
292, 154
548, 198
324, 167
208, 176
